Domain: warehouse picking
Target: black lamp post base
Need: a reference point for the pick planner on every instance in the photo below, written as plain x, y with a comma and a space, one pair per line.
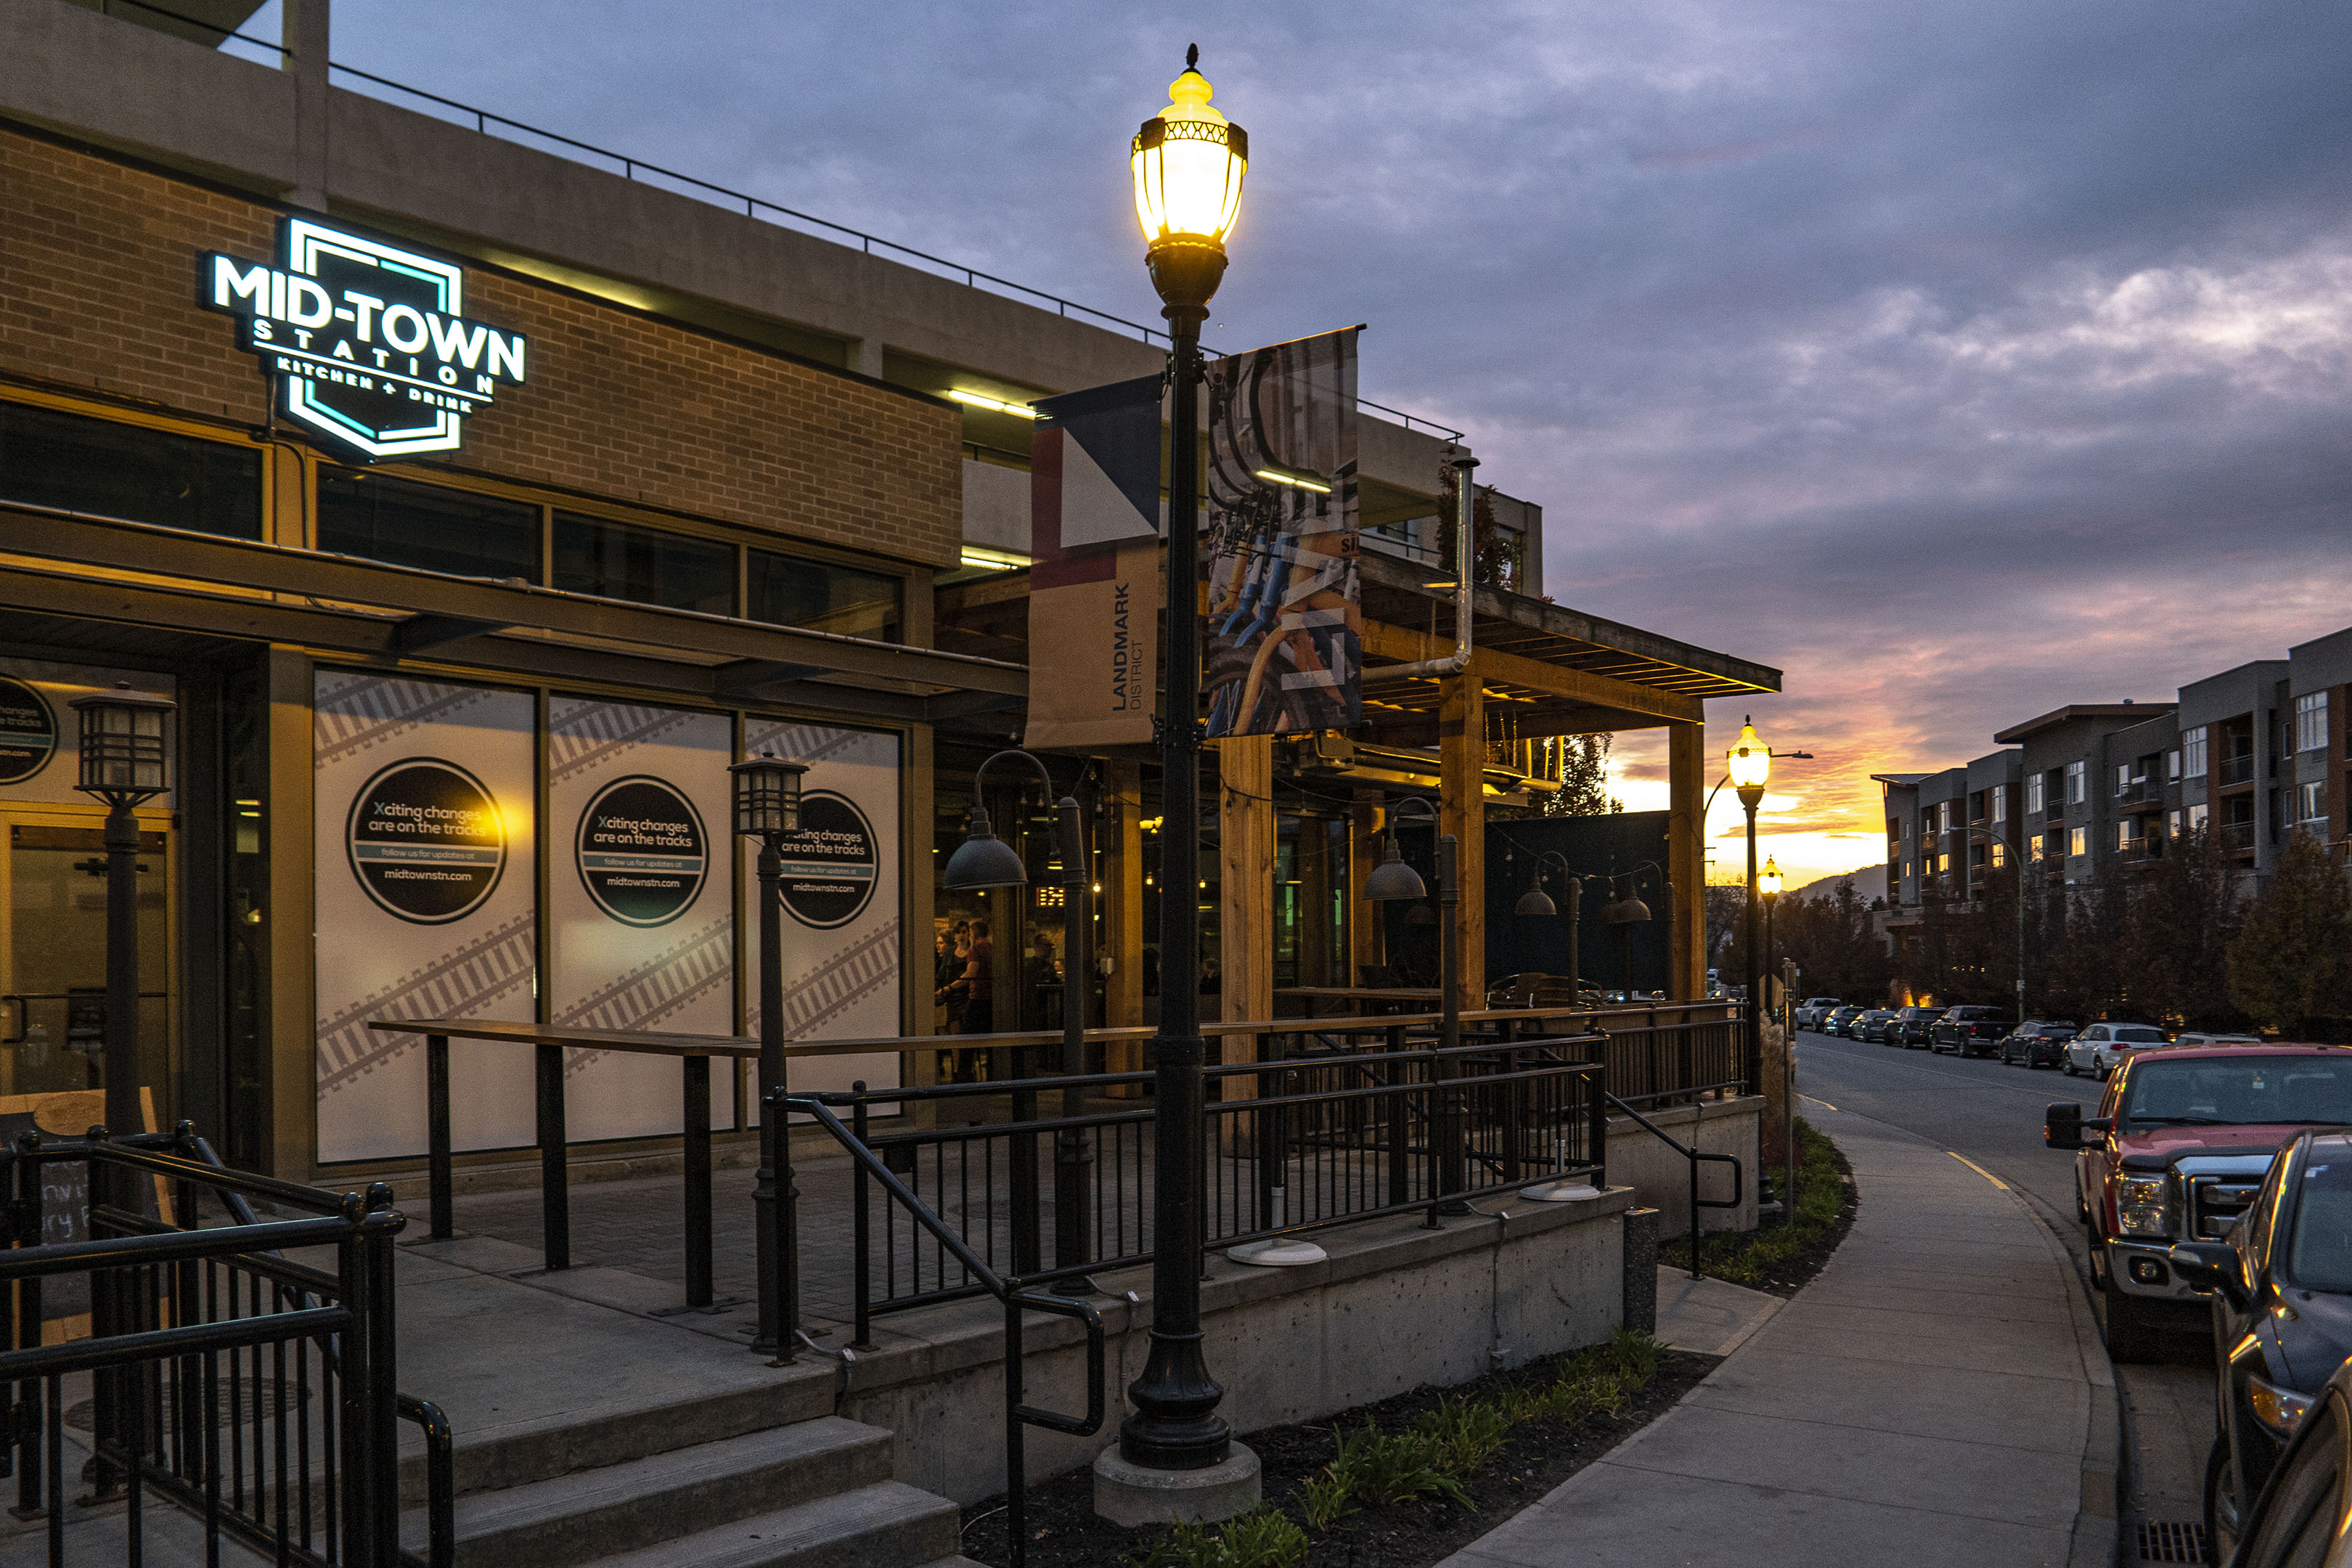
1177, 1427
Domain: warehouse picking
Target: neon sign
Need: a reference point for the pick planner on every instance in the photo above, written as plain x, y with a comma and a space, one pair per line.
370, 342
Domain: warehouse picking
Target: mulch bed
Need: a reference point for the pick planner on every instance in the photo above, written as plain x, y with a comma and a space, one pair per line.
1064, 1532
1759, 1260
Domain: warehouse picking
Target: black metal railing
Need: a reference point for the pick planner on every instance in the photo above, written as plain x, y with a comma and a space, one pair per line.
1308, 1139
253, 1393
1016, 1294
1695, 1158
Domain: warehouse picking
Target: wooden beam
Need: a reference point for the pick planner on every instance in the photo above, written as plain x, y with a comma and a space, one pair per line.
1122, 934
1515, 670
1245, 833
1686, 859
1461, 811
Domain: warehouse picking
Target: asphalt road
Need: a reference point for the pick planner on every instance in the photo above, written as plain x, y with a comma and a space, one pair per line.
1992, 1115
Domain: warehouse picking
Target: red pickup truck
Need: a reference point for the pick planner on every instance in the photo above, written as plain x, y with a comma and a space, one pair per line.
2176, 1152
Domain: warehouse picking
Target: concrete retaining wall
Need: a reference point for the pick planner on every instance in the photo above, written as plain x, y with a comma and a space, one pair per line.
1395, 1307
1661, 1178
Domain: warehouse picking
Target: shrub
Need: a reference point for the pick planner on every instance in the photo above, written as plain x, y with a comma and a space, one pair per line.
1385, 1468
1262, 1538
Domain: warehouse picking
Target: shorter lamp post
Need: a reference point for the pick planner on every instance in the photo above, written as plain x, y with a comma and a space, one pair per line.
1768, 883
1392, 880
1535, 902
1751, 766
126, 761
983, 860
767, 807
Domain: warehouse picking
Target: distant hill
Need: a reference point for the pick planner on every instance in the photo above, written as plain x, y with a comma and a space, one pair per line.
1870, 881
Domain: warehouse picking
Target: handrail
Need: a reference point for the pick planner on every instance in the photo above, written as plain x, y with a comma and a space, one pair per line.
1017, 1414
1738, 1186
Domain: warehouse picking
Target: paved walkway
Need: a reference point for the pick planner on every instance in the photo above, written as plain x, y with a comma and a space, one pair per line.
1938, 1395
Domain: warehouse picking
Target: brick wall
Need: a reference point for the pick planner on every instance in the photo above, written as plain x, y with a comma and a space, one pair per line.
97, 289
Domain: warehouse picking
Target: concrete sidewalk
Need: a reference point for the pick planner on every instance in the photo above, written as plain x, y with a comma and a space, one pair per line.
1938, 1395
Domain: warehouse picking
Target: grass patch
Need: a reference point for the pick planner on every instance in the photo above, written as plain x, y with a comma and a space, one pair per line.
1432, 1460
1783, 1257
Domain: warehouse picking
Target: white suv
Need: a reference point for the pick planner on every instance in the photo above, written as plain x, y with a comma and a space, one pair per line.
1812, 1009
2098, 1048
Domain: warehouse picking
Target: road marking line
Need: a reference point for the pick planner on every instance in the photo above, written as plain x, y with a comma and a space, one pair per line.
1980, 1169
1824, 1104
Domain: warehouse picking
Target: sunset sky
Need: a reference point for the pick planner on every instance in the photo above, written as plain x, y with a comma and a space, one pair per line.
1962, 358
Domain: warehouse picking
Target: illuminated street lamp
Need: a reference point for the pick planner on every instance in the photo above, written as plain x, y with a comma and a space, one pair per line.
1188, 162
1749, 765
767, 806
126, 761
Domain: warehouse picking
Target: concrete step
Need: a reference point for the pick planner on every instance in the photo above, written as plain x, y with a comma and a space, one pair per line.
570, 1519
886, 1525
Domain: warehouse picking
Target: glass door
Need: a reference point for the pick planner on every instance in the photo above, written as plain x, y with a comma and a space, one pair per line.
53, 956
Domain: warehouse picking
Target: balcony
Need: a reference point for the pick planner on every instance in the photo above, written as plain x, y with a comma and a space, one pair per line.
2142, 850
2238, 836
2143, 794
2234, 771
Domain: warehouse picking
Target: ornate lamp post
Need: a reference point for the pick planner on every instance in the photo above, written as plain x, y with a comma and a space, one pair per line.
767, 807
1188, 162
1751, 763
126, 761
984, 861
1534, 902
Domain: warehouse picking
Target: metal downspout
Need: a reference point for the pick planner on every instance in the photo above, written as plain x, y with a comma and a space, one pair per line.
1465, 500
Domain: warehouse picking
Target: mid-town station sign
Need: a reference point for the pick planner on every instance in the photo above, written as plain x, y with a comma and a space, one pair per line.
370, 341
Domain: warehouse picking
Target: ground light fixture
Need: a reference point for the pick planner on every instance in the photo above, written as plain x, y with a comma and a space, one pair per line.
1188, 162
767, 806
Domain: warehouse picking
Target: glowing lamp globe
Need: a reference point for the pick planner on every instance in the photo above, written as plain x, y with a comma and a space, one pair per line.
1767, 882
1188, 162
1750, 762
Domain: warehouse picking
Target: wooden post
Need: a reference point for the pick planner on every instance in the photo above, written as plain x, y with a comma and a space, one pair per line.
1462, 808
1686, 859
1122, 906
1245, 835
1367, 942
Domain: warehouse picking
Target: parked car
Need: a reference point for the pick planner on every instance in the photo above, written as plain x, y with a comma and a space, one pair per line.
1841, 1019
2195, 1038
2304, 1515
2280, 1285
1967, 1031
1872, 1026
1813, 1009
2178, 1152
1911, 1026
2098, 1048
2037, 1043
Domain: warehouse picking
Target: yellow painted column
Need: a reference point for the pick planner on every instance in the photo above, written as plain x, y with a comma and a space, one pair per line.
1461, 811
1245, 835
1122, 906
1687, 858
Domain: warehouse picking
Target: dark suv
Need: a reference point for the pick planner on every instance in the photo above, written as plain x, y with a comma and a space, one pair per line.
1911, 1026
2037, 1043
1968, 1031
1841, 1019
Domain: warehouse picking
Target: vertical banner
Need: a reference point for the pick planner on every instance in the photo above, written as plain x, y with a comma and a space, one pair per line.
423, 871
640, 912
844, 939
1282, 642
1094, 586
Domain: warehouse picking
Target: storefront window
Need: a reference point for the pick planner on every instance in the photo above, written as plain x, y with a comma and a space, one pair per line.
427, 526
112, 469
615, 561
789, 591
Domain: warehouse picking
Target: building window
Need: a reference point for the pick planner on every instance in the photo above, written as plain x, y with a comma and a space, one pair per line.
2197, 817
2311, 722
1944, 816
1999, 803
2192, 753
2000, 854
2078, 841
2172, 764
112, 469
2172, 824
789, 591
1905, 824
1906, 867
2033, 847
2033, 792
618, 561
2311, 800
2123, 779
2078, 783
427, 526
2123, 834
1943, 864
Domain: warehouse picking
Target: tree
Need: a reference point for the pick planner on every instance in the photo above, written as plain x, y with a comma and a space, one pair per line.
2292, 961
2184, 915
2085, 977
1829, 937
1583, 774
1494, 555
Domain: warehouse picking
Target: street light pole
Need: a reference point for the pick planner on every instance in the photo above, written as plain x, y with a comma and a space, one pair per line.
1751, 766
1188, 162
1770, 884
768, 806
125, 763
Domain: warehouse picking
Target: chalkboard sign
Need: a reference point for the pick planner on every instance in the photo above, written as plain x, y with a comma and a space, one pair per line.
65, 1195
